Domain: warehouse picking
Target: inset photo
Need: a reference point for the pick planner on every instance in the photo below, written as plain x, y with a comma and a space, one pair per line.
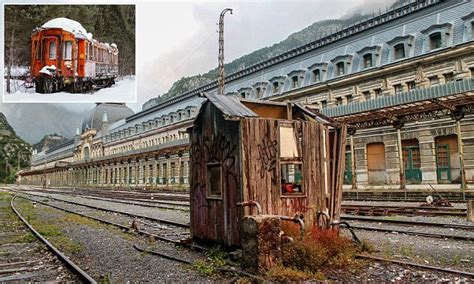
69, 53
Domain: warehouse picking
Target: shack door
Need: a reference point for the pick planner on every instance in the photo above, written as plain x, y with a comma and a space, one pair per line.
50, 49
412, 162
443, 167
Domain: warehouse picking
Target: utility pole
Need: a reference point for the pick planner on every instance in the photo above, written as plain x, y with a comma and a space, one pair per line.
220, 81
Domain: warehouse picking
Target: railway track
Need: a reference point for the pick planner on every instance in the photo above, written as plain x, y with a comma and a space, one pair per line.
406, 222
28, 256
384, 210
200, 248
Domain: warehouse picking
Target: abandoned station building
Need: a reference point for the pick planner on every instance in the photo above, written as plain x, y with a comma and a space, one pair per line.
402, 80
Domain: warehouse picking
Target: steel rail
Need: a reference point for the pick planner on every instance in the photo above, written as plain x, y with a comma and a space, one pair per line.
419, 265
406, 222
69, 263
123, 227
422, 234
168, 222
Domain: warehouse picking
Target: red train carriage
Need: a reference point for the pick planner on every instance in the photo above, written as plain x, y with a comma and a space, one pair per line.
65, 57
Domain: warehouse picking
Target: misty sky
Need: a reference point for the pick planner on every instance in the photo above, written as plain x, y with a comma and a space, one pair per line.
179, 38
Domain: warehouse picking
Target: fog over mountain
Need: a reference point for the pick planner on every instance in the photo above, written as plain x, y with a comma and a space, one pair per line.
32, 121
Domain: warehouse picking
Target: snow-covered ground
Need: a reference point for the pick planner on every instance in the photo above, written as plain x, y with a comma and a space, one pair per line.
124, 91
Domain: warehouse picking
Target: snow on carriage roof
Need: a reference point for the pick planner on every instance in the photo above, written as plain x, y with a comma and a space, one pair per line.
68, 25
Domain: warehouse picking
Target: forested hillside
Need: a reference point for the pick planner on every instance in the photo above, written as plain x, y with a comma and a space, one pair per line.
107, 23
296, 39
13, 150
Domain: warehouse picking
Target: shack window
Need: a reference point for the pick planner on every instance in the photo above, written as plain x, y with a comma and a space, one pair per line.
214, 180
288, 145
292, 178
52, 49
67, 50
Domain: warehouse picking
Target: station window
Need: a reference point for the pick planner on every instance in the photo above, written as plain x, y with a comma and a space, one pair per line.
338, 101
349, 99
295, 82
67, 50
366, 95
434, 80
52, 49
258, 92
435, 40
368, 60
448, 77
214, 180
398, 88
324, 104
399, 51
340, 68
411, 85
276, 87
378, 92
316, 75
243, 95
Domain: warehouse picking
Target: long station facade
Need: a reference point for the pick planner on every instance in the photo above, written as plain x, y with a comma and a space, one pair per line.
402, 80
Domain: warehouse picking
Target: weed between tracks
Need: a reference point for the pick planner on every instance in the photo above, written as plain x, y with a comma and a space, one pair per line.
311, 255
10, 220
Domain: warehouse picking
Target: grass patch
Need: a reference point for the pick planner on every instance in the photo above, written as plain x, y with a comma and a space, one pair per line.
216, 258
50, 229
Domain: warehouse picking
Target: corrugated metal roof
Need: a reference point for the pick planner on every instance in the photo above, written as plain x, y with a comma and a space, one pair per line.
230, 106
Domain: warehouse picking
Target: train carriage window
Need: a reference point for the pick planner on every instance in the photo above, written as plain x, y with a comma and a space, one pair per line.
67, 50
37, 50
52, 49
87, 50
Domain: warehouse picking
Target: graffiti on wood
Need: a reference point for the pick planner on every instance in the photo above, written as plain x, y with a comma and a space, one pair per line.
267, 155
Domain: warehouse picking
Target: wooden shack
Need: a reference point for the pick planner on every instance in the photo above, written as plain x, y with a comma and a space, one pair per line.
284, 156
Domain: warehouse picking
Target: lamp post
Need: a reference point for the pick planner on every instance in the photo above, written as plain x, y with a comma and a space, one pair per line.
220, 90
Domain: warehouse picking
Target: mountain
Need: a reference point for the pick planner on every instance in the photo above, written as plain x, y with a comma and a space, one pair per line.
33, 120
308, 34
14, 152
49, 141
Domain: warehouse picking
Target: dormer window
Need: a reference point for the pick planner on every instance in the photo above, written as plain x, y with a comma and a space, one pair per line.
276, 87
244, 92
259, 89
437, 36
369, 56
294, 82
341, 65
277, 84
368, 60
399, 51
340, 69
435, 40
316, 75
402, 47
